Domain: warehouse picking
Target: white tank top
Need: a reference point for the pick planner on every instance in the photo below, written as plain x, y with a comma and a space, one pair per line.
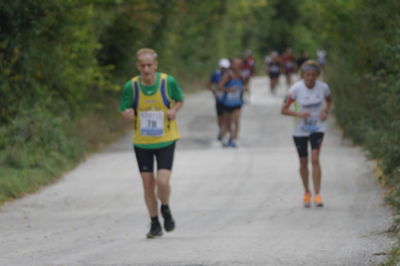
311, 101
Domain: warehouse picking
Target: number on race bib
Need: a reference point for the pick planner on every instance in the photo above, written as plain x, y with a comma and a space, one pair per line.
310, 125
152, 123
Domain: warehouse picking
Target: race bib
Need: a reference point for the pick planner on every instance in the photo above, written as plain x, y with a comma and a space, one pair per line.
289, 65
152, 123
233, 96
310, 124
220, 95
274, 69
246, 73
236, 95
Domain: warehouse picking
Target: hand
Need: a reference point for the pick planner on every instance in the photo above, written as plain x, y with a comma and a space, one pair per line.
303, 114
171, 113
323, 116
128, 114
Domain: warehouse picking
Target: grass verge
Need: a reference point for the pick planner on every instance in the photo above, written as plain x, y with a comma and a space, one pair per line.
39, 145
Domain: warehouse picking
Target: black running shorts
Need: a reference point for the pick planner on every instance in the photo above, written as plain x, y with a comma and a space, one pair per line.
274, 75
302, 143
164, 157
231, 109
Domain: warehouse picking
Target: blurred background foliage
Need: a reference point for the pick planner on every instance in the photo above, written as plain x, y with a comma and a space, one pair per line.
62, 63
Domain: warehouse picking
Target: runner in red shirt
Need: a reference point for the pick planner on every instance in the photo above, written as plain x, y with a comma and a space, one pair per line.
289, 65
248, 65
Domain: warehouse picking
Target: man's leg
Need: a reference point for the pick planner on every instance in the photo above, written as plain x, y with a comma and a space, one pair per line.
145, 159
165, 157
163, 185
220, 119
149, 187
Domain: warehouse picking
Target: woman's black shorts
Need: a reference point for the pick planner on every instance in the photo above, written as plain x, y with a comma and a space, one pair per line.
230, 109
164, 157
302, 143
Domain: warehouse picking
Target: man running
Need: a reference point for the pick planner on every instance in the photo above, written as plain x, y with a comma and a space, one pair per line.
216, 77
234, 85
152, 100
310, 94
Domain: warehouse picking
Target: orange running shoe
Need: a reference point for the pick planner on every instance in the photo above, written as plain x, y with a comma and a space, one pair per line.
307, 200
318, 201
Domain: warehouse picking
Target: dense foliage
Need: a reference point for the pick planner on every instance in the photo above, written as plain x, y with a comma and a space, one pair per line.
363, 38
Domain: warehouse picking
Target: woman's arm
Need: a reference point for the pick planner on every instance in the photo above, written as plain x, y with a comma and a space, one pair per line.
328, 108
223, 82
286, 111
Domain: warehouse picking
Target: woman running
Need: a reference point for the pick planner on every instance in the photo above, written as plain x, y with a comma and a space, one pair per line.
234, 85
314, 101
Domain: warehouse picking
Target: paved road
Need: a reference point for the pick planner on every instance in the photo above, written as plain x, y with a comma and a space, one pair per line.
232, 206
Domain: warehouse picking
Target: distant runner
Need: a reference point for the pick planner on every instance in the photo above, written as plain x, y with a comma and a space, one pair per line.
321, 57
310, 94
213, 86
234, 85
273, 67
248, 65
302, 58
152, 100
289, 65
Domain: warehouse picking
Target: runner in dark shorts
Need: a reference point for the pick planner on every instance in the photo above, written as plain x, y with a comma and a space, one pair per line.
213, 86
234, 85
151, 101
164, 157
313, 98
273, 66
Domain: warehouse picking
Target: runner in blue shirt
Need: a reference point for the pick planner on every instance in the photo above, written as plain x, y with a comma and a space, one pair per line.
234, 85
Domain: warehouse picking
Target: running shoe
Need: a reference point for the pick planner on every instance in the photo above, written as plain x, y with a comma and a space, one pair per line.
155, 230
225, 143
318, 201
232, 143
307, 200
169, 223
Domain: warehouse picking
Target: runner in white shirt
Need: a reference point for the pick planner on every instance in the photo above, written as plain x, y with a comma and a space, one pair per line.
314, 101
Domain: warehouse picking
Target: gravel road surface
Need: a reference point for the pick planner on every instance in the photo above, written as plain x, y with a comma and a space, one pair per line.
232, 206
